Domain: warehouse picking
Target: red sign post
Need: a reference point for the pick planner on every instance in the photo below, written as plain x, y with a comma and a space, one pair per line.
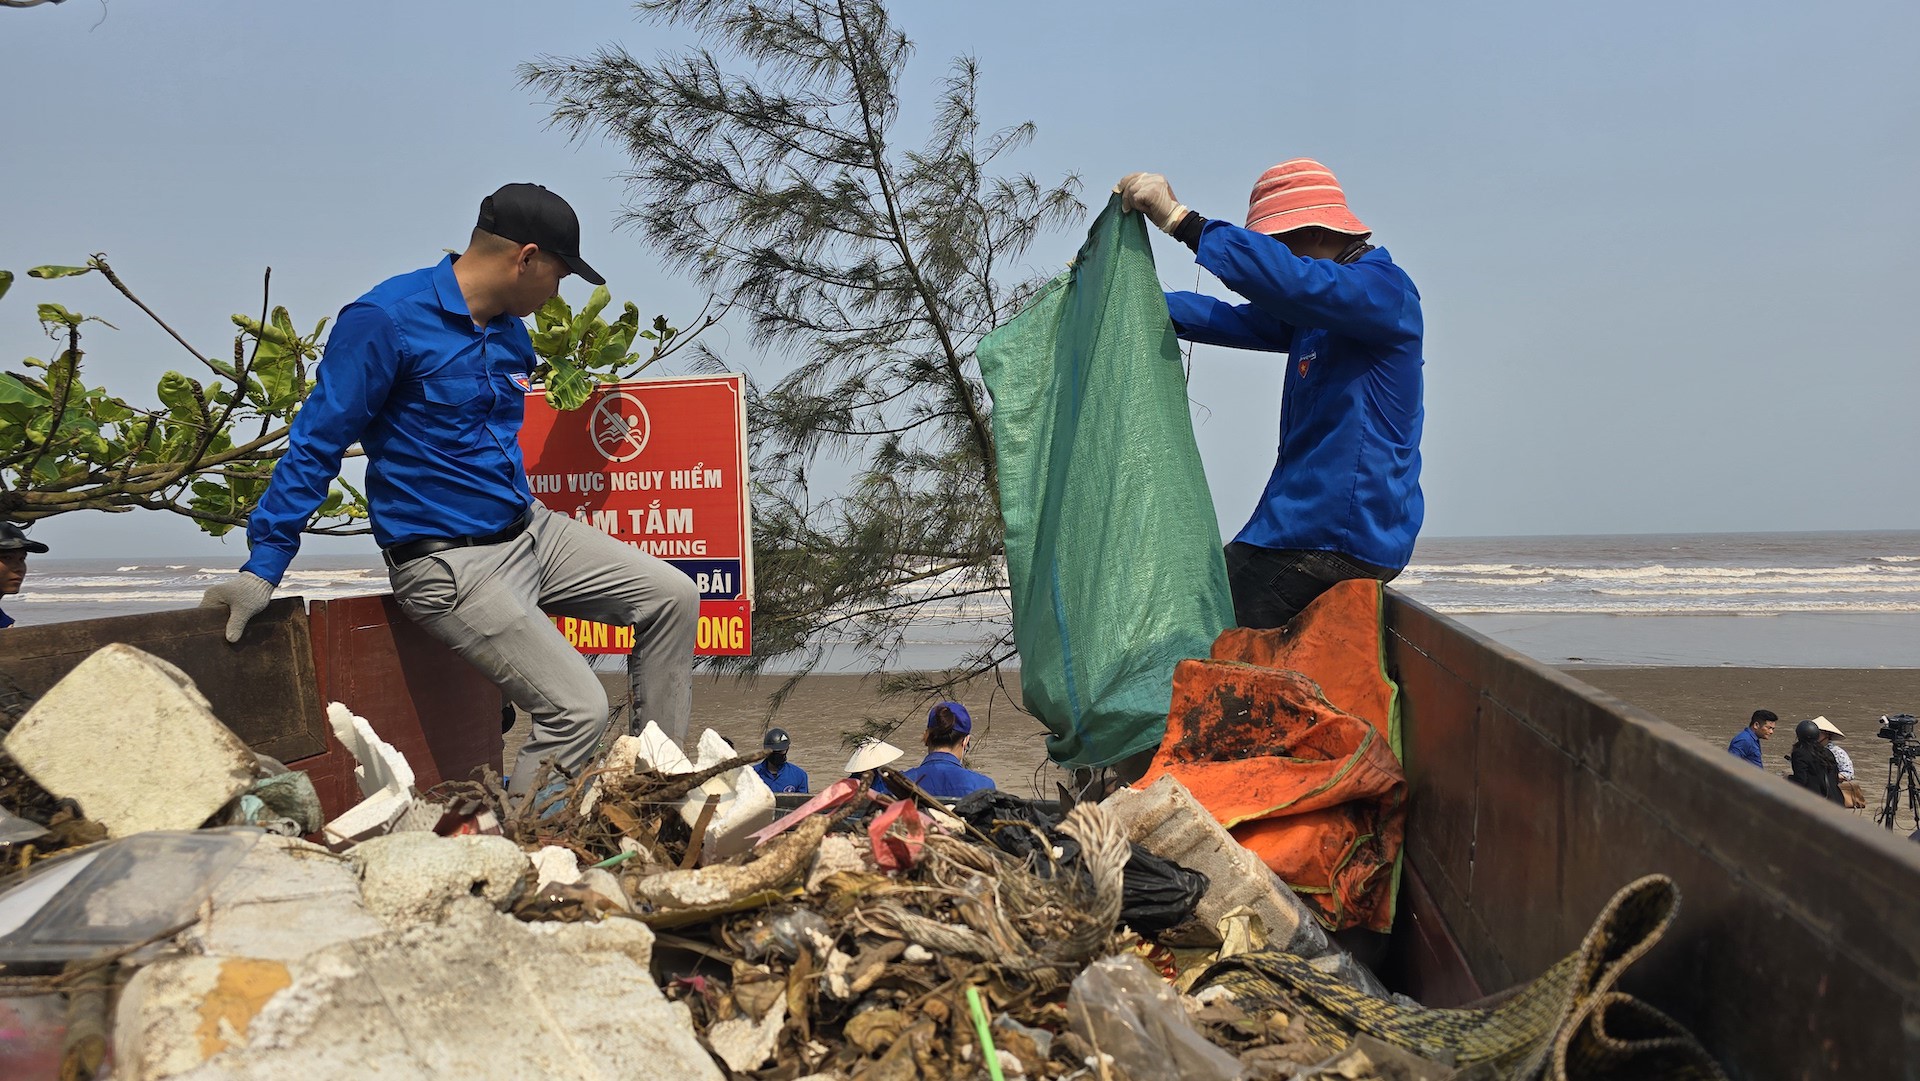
660, 464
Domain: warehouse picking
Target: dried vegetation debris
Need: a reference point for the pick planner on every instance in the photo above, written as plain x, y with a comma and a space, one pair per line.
915, 946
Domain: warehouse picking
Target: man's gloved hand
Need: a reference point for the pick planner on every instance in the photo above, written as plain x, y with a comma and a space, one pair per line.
244, 596
1150, 194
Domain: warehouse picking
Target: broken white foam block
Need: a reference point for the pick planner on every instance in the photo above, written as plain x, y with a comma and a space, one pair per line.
413, 878
132, 740
447, 1000
603, 882
554, 864
840, 852
745, 811
381, 768
658, 752
384, 776
711, 750
652, 750
371, 817
744, 1044
284, 900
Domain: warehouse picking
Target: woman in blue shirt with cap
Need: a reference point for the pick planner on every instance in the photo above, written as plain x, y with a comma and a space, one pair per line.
940, 774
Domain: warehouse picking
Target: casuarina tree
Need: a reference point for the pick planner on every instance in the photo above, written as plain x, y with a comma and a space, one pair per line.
766, 162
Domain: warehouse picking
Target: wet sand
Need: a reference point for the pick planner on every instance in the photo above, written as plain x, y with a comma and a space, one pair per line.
1714, 704
1008, 745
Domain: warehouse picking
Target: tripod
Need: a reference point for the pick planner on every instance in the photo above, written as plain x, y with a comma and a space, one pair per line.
1900, 774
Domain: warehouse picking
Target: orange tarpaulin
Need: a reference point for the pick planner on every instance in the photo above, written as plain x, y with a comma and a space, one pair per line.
1289, 738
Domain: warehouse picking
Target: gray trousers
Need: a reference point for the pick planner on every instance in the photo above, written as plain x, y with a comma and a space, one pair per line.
490, 605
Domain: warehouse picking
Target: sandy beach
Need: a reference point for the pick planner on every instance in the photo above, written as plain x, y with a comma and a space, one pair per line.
1709, 703
1008, 745
1713, 703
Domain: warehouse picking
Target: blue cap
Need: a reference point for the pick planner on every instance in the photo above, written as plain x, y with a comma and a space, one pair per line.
962, 722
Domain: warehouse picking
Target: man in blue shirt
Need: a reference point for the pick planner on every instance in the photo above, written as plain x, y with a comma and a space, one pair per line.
427, 372
780, 774
1344, 499
14, 547
1746, 744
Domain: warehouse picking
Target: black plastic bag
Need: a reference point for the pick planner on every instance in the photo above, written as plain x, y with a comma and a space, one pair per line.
1156, 894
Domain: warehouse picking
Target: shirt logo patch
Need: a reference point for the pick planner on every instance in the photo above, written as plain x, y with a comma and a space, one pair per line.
1303, 362
522, 380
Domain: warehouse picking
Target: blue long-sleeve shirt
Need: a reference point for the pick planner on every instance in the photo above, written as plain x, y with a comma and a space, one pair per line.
436, 403
1347, 476
788, 778
942, 776
1746, 745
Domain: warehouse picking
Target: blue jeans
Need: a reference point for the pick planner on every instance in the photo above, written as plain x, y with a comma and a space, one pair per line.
1271, 585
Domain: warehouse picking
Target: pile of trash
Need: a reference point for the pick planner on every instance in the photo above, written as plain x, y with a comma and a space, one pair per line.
190, 915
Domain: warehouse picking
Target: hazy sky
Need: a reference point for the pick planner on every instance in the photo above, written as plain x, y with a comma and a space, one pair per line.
1667, 250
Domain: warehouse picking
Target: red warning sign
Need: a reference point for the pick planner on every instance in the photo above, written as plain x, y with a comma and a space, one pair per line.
660, 464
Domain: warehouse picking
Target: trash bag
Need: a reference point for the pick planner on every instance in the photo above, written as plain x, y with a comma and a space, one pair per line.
1125, 1009
1156, 894
1113, 547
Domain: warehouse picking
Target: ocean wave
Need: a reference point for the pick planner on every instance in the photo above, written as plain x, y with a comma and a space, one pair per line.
350, 574
1659, 572
1475, 567
171, 598
1737, 591
42, 583
1572, 606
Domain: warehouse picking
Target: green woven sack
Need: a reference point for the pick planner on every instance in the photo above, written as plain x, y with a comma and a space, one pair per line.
1113, 550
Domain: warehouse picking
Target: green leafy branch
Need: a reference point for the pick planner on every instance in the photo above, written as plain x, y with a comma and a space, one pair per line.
205, 452
208, 449
580, 350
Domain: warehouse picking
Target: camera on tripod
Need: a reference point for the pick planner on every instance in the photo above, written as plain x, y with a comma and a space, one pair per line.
1902, 776
1898, 727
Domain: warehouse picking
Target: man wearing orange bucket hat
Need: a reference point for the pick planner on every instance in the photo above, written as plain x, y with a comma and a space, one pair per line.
1344, 497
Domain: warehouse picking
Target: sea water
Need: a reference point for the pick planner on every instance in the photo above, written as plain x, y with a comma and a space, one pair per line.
1751, 599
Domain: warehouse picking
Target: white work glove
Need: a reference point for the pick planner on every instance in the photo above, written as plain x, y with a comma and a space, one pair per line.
244, 596
1150, 194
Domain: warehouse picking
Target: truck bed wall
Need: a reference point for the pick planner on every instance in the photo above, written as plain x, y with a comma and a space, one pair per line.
1796, 952
272, 688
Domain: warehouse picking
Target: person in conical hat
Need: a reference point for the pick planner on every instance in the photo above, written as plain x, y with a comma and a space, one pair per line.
870, 755
1850, 791
1343, 500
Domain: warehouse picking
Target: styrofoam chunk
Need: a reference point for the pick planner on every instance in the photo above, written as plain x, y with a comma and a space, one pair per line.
381, 767
132, 740
554, 864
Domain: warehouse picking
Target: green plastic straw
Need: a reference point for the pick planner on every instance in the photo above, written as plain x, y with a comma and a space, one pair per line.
980, 1026
614, 861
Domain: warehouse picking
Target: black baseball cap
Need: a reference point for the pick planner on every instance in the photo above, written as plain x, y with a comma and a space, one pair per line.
13, 539
530, 214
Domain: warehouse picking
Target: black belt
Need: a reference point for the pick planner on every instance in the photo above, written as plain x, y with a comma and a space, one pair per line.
416, 549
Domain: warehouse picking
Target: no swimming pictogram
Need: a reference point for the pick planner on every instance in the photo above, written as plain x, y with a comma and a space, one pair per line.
620, 427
